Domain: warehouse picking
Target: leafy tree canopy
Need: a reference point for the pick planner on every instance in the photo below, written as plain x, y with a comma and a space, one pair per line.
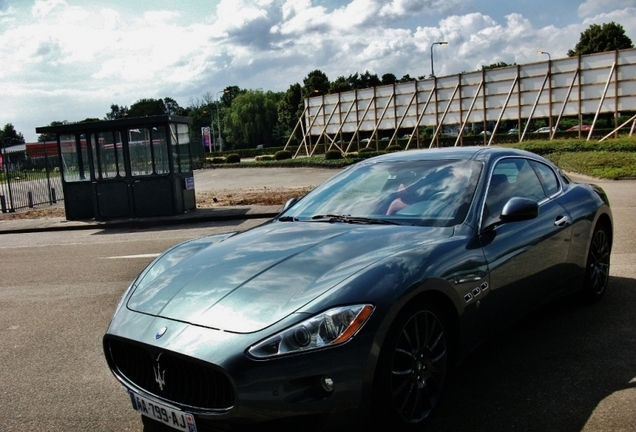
340, 85
290, 107
9, 136
252, 119
389, 78
116, 112
497, 65
315, 84
152, 107
596, 38
229, 94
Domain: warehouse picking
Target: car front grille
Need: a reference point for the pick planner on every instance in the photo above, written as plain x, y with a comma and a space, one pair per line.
170, 376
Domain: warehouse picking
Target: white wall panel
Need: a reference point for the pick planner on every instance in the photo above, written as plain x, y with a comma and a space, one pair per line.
530, 95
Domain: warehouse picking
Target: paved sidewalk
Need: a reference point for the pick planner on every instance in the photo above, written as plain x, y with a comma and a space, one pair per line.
15, 226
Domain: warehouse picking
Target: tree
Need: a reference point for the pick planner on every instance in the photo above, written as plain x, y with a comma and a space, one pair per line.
407, 78
9, 136
363, 81
500, 64
147, 107
596, 38
229, 94
117, 112
341, 84
171, 106
290, 107
252, 119
315, 84
389, 78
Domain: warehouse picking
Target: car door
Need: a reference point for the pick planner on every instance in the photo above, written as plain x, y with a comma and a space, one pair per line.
524, 258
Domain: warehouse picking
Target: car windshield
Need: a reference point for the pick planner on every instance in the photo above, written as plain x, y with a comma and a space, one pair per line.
424, 192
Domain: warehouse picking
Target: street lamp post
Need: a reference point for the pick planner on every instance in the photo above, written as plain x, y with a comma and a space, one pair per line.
218, 121
432, 45
546, 53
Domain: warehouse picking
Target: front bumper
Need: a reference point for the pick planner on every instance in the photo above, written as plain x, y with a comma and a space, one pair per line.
223, 387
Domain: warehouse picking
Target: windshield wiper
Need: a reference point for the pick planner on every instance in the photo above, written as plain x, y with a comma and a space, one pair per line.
352, 219
288, 219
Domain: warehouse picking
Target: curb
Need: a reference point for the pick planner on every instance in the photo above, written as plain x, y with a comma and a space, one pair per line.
218, 214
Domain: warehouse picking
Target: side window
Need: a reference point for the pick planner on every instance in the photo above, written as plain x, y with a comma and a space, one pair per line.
511, 178
548, 177
527, 184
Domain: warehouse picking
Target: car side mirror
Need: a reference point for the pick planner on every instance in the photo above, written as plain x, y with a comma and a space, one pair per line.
290, 202
519, 209
515, 210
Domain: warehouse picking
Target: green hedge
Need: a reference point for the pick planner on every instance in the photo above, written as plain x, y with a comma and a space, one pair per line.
233, 158
333, 154
282, 155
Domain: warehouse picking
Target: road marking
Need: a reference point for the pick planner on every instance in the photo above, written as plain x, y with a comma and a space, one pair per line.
134, 256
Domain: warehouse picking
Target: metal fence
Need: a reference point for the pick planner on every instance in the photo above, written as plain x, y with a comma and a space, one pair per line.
29, 178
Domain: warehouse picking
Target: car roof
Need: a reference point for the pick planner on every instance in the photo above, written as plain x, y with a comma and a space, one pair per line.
481, 153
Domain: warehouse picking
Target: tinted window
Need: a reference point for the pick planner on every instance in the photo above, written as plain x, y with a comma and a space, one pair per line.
511, 178
547, 177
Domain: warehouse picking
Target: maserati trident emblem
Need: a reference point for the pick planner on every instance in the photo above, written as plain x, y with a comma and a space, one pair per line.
162, 331
160, 375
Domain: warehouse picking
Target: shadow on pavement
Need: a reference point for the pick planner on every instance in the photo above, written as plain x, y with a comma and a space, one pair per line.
550, 371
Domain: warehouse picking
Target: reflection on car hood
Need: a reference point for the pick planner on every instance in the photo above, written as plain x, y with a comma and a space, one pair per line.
252, 280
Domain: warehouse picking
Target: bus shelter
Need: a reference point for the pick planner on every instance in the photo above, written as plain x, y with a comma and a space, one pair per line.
127, 168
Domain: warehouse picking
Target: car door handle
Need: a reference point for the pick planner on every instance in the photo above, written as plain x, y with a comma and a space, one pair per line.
562, 221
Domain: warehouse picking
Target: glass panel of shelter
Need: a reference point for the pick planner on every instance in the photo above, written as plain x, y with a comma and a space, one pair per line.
108, 155
148, 150
180, 140
75, 163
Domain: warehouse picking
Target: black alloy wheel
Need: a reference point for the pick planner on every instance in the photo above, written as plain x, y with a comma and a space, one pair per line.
598, 265
413, 367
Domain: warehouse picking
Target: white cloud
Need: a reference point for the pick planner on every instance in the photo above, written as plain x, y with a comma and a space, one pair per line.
43, 8
72, 59
593, 7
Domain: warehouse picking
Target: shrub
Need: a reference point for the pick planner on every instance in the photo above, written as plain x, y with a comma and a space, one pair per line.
232, 158
366, 150
264, 158
393, 148
282, 155
333, 154
217, 160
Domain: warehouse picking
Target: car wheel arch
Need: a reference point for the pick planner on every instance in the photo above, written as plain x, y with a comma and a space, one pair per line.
430, 301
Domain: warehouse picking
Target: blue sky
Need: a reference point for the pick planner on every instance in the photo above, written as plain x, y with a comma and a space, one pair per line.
72, 59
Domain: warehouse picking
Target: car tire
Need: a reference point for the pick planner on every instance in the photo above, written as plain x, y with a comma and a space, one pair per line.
597, 265
412, 368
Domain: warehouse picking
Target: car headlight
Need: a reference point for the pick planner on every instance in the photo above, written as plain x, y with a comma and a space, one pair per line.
332, 327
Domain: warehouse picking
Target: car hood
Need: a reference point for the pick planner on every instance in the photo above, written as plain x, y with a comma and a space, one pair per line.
249, 281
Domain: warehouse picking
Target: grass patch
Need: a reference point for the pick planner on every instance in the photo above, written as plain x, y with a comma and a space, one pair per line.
601, 164
612, 159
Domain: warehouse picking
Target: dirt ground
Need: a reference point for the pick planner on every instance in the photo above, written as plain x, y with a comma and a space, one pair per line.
227, 187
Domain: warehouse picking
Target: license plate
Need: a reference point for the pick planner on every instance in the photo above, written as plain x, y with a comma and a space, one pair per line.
169, 416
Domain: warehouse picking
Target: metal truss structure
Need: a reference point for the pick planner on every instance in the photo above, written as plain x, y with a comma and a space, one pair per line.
589, 85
